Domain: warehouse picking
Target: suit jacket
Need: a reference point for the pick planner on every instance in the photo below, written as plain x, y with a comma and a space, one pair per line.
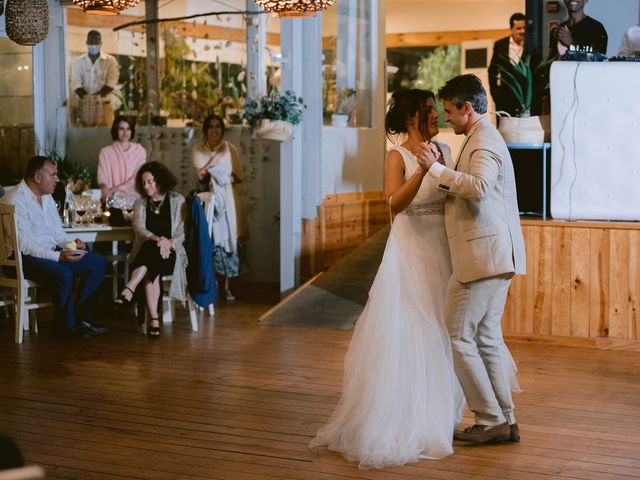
178, 288
201, 281
481, 209
504, 99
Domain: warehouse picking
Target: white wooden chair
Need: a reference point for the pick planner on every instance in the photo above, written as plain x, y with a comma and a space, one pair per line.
169, 310
11, 258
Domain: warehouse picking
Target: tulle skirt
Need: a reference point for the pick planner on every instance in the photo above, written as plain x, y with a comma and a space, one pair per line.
401, 399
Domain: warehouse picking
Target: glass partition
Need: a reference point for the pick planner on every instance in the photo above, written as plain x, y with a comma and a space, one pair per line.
347, 68
17, 137
202, 67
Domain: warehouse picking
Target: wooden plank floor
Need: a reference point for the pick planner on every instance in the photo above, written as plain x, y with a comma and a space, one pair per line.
237, 400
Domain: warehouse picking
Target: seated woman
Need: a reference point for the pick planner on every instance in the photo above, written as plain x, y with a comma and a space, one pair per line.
158, 224
216, 163
119, 162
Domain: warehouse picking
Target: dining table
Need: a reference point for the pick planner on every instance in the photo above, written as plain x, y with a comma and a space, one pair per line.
117, 235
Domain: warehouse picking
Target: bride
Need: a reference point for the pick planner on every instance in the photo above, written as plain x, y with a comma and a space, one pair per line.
401, 400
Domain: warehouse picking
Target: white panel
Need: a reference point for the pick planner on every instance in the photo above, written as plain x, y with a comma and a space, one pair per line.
595, 162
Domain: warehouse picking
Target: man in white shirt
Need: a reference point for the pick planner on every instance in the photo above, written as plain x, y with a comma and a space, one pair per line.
96, 73
46, 256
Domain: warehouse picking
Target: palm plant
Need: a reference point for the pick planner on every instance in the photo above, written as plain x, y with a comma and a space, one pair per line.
519, 80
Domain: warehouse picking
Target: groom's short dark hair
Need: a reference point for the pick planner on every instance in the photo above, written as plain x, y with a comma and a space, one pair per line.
465, 88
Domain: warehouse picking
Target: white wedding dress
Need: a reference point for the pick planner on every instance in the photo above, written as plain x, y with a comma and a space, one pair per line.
401, 399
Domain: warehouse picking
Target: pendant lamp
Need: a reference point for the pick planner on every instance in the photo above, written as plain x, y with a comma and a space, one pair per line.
27, 21
294, 8
105, 7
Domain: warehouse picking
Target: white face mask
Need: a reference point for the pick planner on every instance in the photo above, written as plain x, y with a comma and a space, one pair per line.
93, 49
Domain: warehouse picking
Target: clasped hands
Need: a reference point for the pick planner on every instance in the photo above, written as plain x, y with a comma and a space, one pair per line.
427, 155
165, 246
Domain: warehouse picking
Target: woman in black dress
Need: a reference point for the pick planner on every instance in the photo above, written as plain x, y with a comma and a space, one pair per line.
158, 224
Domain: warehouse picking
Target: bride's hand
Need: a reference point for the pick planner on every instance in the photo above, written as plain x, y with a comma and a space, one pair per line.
427, 155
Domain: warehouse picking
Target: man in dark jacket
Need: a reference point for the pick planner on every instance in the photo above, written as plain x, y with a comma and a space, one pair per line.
507, 52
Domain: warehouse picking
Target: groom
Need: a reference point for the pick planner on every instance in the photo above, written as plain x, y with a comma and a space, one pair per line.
487, 249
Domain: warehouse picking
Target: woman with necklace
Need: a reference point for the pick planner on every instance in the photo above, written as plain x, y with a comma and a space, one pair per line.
158, 246
119, 162
216, 163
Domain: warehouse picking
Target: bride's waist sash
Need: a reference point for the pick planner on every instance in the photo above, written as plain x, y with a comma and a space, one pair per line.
434, 208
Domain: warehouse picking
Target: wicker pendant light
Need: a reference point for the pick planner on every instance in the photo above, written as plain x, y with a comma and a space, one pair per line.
294, 8
105, 7
27, 21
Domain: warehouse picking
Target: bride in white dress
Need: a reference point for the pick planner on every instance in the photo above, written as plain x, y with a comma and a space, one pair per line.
401, 400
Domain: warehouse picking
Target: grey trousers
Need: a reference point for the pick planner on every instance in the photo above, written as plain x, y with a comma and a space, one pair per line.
473, 312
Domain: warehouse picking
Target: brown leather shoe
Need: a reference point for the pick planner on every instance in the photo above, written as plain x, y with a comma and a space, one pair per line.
514, 433
484, 434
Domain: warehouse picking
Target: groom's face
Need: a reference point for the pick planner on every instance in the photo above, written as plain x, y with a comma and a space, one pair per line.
457, 117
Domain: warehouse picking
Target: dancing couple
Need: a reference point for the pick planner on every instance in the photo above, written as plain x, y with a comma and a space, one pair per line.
430, 334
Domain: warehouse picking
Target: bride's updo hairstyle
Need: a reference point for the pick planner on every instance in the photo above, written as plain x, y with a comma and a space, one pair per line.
402, 107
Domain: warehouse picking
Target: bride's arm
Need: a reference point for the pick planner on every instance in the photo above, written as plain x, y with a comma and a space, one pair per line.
399, 192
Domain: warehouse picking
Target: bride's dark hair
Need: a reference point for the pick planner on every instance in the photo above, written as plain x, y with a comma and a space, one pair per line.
402, 106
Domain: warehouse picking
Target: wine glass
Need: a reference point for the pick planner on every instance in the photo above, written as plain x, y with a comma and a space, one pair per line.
81, 209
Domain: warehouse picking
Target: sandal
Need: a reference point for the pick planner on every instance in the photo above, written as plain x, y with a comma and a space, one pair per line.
122, 300
153, 332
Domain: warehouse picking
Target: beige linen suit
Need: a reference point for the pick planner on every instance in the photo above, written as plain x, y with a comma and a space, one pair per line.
487, 249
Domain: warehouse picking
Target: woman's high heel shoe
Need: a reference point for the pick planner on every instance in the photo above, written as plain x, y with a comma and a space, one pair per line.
153, 332
122, 300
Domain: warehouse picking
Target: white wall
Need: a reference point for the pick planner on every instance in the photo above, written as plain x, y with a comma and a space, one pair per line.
616, 20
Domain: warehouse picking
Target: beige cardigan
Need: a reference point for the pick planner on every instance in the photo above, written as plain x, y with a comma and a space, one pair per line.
178, 288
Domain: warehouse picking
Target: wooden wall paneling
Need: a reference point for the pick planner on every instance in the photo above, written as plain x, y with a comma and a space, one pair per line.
599, 284
310, 258
323, 235
561, 282
634, 285
580, 281
542, 271
524, 289
619, 285
509, 313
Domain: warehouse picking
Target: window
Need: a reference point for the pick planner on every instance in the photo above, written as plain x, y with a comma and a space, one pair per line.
202, 64
347, 69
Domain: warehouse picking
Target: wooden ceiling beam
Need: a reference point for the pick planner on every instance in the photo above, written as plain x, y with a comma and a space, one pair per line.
77, 18
433, 39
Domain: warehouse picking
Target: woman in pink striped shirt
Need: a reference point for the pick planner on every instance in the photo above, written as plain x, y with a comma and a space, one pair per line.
119, 162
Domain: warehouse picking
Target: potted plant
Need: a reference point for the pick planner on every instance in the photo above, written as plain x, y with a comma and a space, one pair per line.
273, 115
345, 107
523, 128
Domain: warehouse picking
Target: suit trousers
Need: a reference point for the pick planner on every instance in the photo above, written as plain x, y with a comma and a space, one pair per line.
59, 277
474, 311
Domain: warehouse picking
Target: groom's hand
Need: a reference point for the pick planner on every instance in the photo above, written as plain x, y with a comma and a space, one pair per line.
428, 154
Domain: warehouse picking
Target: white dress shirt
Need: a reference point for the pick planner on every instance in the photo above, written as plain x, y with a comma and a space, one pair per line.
93, 76
39, 226
515, 51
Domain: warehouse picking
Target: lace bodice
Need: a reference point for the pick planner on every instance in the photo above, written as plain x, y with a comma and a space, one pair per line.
429, 200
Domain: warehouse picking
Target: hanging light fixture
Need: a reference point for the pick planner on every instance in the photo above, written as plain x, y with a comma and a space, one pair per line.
105, 7
294, 8
27, 21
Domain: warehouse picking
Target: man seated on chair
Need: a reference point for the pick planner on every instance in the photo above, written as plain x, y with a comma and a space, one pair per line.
48, 257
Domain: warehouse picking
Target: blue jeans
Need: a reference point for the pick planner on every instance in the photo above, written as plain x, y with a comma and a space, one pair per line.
58, 278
